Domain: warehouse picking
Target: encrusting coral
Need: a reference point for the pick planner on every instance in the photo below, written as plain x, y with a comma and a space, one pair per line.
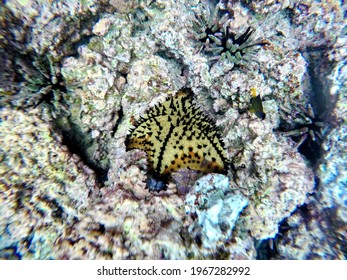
86, 73
327, 209
44, 188
215, 209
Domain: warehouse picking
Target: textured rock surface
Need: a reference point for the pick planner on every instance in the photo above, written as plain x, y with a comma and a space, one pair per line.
317, 230
44, 188
310, 235
215, 209
73, 79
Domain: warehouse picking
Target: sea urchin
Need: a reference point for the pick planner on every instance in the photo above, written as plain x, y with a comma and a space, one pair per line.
215, 37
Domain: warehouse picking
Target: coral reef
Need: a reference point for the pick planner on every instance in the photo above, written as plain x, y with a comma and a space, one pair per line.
215, 210
35, 36
75, 77
44, 188
328, 209
310, 235
119, 226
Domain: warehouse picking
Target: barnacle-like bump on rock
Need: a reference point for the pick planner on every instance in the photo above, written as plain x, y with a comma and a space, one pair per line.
214, 36
176, 134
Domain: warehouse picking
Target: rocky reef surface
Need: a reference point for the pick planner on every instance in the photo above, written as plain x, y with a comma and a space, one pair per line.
75, 77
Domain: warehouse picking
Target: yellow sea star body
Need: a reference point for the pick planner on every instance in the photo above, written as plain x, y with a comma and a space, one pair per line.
176, 134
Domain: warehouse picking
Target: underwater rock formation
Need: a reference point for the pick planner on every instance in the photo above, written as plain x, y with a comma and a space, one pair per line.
310, 235
321, 225
214, 209
74, 83
44, 188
